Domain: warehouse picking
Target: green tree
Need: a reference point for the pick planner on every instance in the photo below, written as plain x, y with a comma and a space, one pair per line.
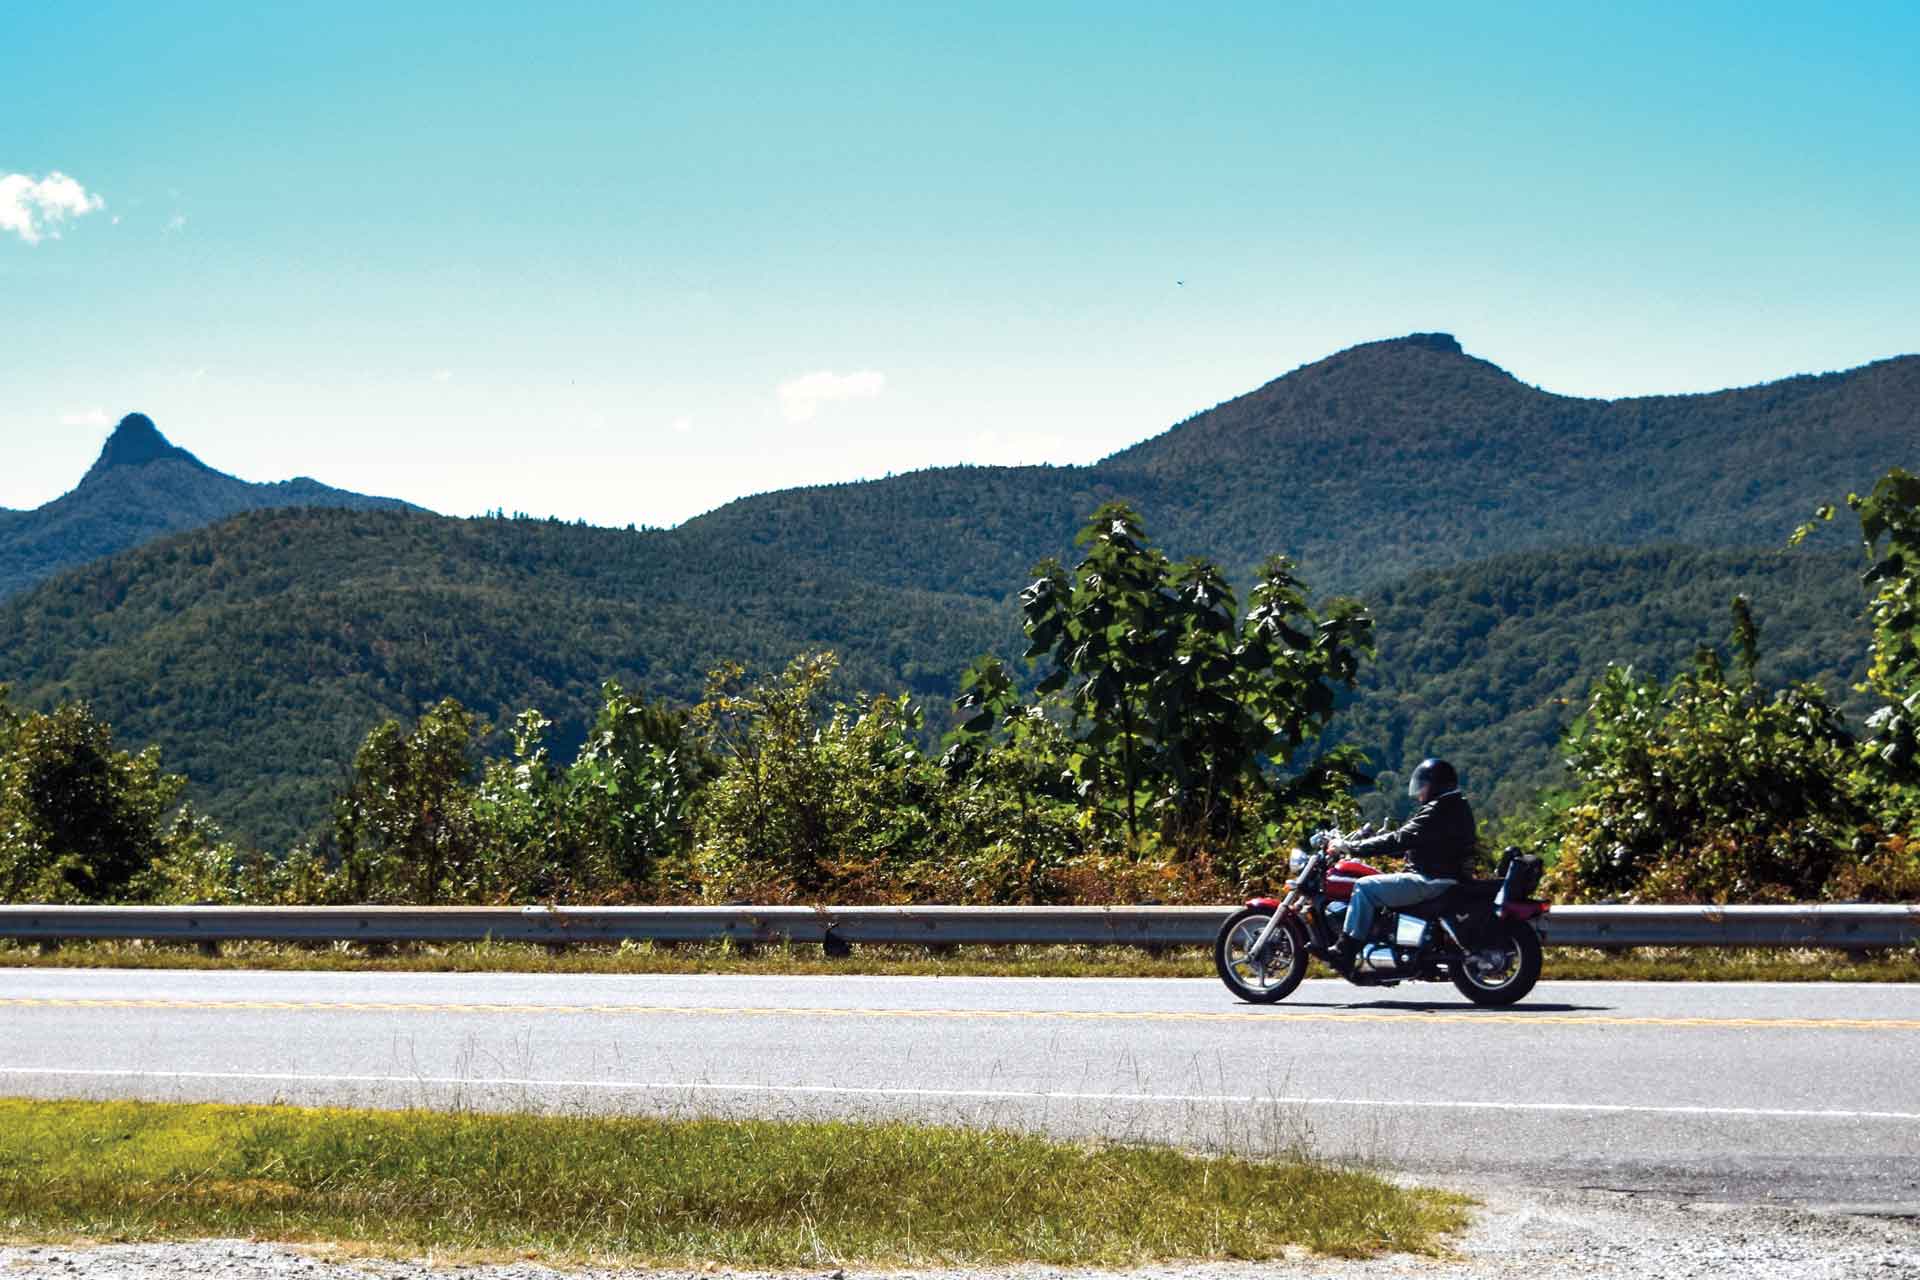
1011, 821
1106, 632
810, 799
1887, 782
772, 803
80, 820
405, 828
631, 789
1890, 530
520, 808
1173, 702
1706, 789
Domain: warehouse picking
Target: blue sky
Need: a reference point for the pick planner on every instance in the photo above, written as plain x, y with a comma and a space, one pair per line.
564, 258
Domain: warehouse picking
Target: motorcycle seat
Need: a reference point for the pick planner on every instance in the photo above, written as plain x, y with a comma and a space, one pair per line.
1463, 896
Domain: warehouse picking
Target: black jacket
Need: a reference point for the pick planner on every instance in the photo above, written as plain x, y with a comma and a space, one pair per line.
1439, 840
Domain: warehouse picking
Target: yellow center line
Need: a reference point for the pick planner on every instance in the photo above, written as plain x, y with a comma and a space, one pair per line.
1275, 1016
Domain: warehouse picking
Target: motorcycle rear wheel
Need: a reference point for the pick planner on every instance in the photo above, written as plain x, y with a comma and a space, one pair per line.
1271, 977
1494, 985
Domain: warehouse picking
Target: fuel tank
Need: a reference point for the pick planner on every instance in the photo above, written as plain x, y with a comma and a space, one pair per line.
1341, 876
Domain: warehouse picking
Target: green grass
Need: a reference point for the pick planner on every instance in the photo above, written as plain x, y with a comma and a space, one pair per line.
680, 1192
720, 957
1752, 964
1646, 964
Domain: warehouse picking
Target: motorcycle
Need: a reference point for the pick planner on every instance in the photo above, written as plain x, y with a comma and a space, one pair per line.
1480, 934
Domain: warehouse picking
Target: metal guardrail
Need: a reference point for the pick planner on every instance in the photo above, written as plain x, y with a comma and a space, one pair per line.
1838, 926
1847, 927
1138, 926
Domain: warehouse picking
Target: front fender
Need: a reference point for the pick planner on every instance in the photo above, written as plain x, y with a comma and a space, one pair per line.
1271, 904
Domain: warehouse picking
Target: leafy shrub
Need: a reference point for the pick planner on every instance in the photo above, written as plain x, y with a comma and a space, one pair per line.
1705, 789
80, 820
809, 798
406, 828
599, 828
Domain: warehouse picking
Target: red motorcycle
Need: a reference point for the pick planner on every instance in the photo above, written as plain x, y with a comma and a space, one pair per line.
1480, 934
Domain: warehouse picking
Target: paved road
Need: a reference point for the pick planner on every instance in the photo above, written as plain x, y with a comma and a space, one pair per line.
1732, 1092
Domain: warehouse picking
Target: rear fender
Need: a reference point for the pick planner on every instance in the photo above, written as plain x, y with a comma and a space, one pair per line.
1525, 910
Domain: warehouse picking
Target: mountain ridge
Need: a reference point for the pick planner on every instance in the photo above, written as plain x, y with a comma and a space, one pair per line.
1451, 457
258, 650
141, 487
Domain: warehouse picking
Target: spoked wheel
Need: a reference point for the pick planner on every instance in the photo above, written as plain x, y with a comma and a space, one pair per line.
1502, 970
1269, 976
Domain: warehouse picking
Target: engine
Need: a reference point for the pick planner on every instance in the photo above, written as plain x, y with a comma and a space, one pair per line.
1380, 959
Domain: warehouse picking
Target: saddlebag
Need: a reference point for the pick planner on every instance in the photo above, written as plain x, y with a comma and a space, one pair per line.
1521, 874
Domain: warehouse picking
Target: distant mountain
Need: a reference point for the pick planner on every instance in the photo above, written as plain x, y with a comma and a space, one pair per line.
1377, 462
142, 486
1513, 542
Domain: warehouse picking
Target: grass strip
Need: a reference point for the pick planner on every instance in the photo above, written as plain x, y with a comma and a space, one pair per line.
1645, 964
1735, 964
649, 1191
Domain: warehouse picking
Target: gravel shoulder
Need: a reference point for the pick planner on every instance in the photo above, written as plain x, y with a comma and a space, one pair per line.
1538, 1235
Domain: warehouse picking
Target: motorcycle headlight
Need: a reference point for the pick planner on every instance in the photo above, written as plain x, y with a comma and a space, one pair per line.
1298, 862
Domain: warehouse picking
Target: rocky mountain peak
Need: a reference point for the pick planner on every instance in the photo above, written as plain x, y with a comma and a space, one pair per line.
1445, 343
136, 442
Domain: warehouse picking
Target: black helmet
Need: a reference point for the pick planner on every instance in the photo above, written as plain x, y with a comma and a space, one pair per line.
1432, 772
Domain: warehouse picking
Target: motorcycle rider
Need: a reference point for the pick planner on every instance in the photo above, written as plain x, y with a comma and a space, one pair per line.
1438, 842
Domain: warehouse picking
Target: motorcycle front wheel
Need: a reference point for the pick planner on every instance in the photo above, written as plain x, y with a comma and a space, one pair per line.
1502, 970
1265, 978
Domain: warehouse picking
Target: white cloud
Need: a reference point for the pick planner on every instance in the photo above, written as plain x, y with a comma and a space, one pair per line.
33, 208
680, 426
176, 223
801, 397
86, 418
443, 375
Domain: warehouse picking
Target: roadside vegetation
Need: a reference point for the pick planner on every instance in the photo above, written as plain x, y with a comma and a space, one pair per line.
1169, 743
675, 1192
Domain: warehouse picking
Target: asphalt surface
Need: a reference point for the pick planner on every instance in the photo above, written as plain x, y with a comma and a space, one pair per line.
1803, 1094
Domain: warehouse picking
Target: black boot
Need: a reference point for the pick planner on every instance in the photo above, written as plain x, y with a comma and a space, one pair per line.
1344, 949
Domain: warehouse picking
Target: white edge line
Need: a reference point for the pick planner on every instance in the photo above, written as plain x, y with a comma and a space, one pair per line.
961, 1095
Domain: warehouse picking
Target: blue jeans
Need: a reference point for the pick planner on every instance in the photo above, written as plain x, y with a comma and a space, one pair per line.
1401, 890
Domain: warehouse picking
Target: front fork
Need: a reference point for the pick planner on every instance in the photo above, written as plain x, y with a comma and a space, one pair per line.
1288, 905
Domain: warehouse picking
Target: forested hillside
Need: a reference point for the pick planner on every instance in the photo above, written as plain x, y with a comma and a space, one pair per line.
1374, 463
259, 652
140, 488
1490, 662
